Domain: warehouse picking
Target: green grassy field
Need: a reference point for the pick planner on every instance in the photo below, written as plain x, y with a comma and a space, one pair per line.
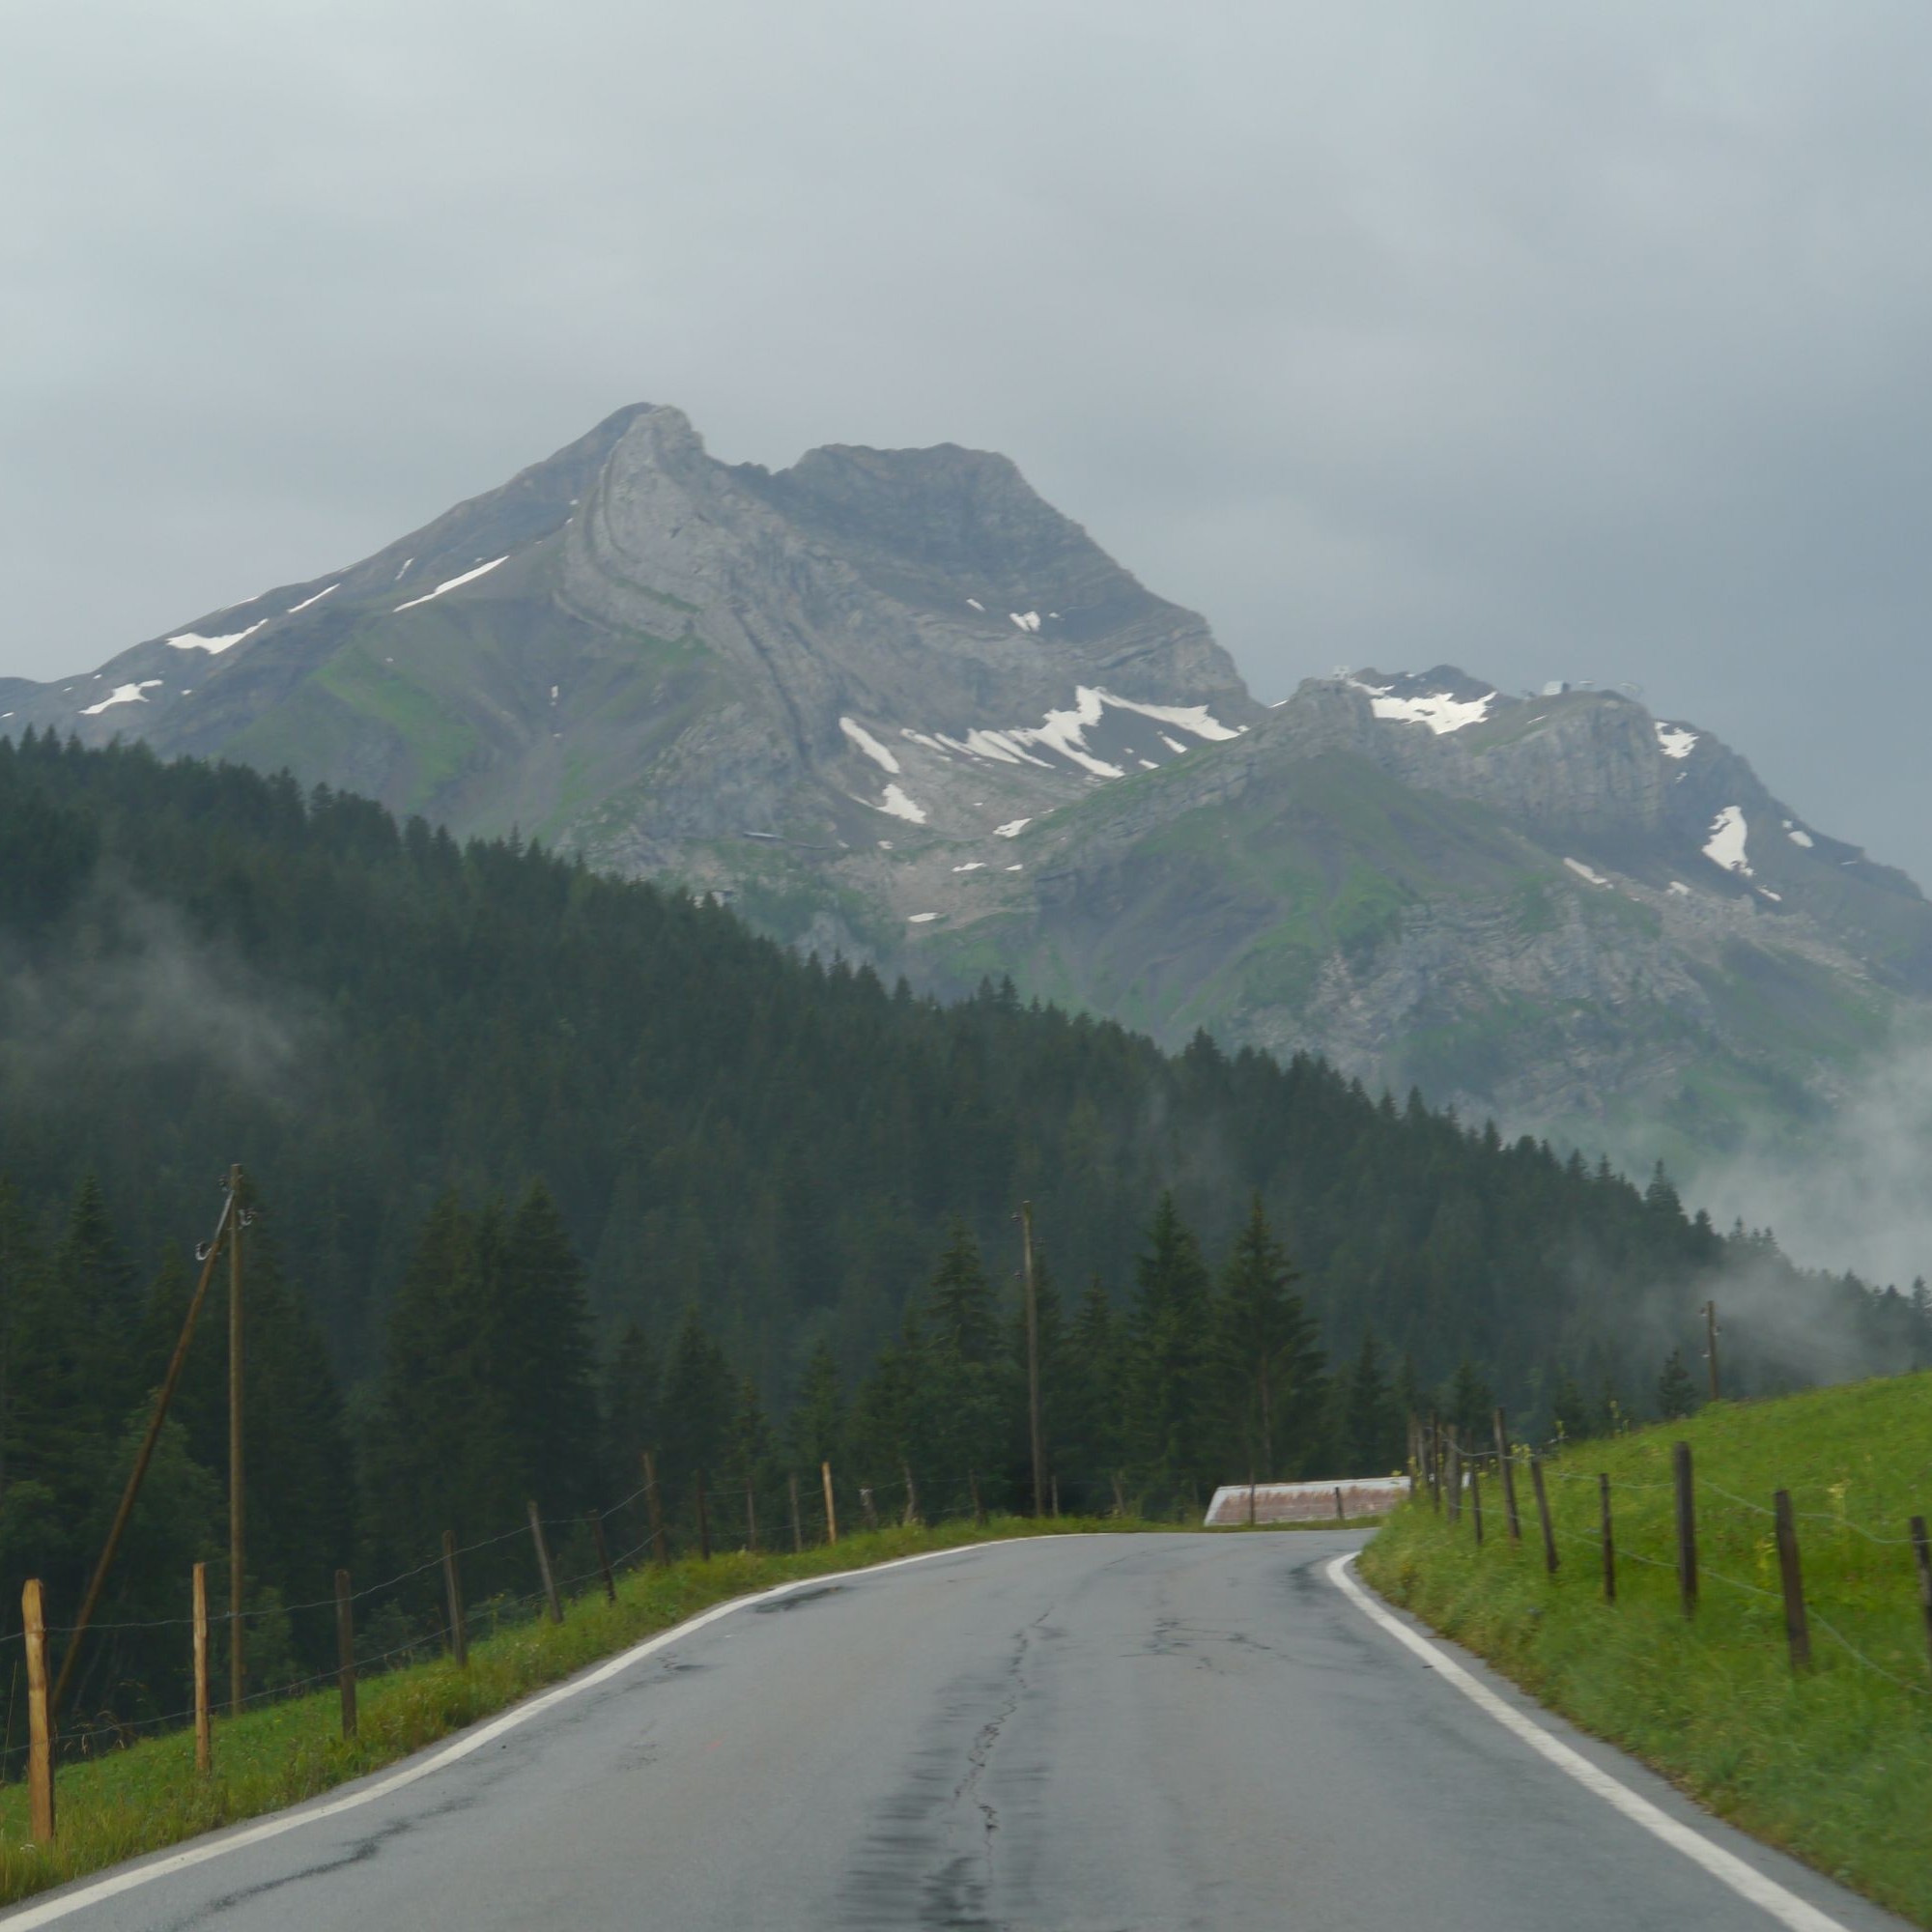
148, 1795
1835, 1766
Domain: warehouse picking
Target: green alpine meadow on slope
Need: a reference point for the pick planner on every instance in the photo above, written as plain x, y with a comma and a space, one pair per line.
147, 1795
1834, 1763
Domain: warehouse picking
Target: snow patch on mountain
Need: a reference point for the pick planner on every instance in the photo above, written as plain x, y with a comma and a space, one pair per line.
868, 743
194, 641
122, 693
1027, 620
1726, 843
1674, 741
454, 582
1011, 830
1443, 711
1583, 871
900, 805
307, 600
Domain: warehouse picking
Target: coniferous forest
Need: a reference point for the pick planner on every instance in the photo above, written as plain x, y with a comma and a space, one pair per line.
547, 1170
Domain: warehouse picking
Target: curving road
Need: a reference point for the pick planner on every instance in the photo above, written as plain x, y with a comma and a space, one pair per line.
1153, 1732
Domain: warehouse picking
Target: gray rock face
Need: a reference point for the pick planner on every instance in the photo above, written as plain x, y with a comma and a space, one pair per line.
638, 650
890, 703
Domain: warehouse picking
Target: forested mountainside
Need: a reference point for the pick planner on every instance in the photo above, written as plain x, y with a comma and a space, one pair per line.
549, 1167
204, 966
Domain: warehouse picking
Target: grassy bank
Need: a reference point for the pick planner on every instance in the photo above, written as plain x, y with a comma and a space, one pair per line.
1835, 1765
148, 1795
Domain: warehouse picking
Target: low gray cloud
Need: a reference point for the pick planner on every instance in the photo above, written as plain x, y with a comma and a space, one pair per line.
1555, 341
1852, 1192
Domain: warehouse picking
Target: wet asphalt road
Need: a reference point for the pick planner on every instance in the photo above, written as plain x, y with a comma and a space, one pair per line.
1152, 1732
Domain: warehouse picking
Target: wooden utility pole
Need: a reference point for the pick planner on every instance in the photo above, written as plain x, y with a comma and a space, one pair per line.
204, 1741
345, 1651
831, 1513
97, 1583
40, 1717
1032, 1360
1711, 1346
236, 1494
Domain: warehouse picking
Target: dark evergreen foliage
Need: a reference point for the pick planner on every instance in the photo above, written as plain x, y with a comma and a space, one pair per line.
770, 1190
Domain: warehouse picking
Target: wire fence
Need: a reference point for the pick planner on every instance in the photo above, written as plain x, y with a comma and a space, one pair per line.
417, 1615
1880, 1590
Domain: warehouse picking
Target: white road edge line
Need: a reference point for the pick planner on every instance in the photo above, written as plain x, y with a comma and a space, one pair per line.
313, 1812
1766, 1894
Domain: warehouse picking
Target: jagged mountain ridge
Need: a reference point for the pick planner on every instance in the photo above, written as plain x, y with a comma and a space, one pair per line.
634, 649
893, 703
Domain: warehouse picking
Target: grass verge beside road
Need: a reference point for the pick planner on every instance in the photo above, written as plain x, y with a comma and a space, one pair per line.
1834, 1765
149, 1795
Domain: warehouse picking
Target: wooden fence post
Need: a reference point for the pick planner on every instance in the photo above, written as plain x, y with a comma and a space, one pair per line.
1797, 1628
1536, 1482
452, 1595
1053, 1486
1609, 1539
598, 1544
1434, 1460
345, 1651
1686, 1527
750, 1517
39, 1729
1455, 1477
797, 1524
831, 1513
912, 1495
204, 1737
703, 1522
660, 1551
1476, 1502
978, 1508
1119, 1498
1341, 1514
1921, 1550
866, 1504
1506, 1470
552, 1605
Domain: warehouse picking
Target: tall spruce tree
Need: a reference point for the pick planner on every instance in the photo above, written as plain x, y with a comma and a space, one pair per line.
1268, 1358
1168, 1419
632, 1384
1676, 1392
541, 1359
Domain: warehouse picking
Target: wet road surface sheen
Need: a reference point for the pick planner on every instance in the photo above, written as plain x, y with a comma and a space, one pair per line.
1087, 1734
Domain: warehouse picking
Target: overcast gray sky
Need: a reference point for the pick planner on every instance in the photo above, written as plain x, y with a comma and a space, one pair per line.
1554, 341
